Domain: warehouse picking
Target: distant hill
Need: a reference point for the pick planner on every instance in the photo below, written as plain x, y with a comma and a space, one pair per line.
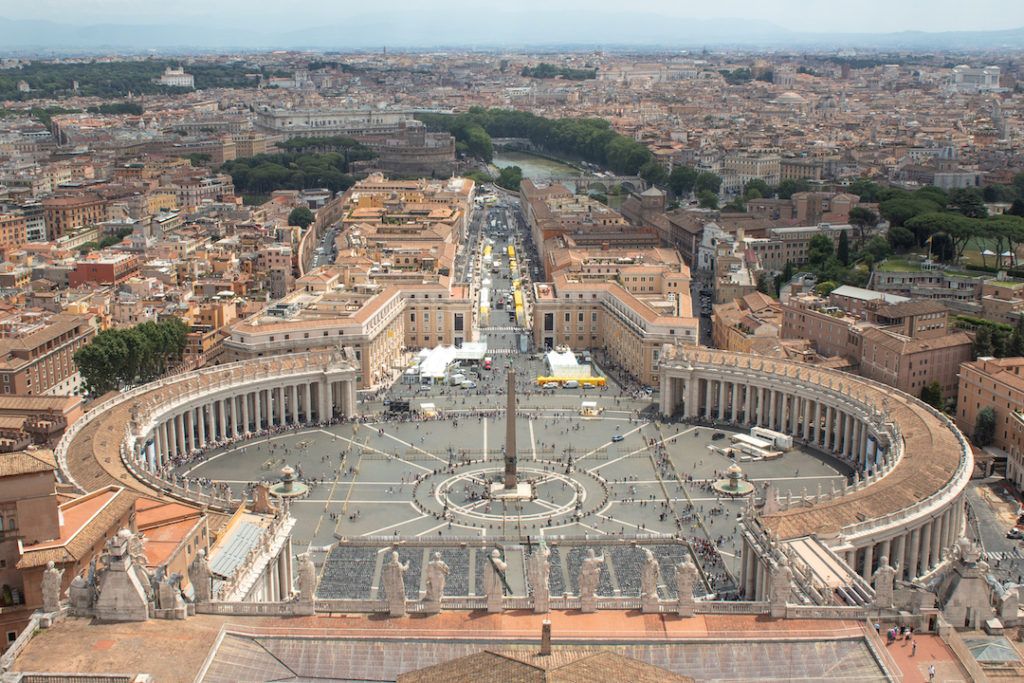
488, 28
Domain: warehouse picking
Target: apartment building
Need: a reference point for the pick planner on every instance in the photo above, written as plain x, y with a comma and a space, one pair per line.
996, 383
603, 314
67, 213
13, 233
907, 344
37, 352
103, 269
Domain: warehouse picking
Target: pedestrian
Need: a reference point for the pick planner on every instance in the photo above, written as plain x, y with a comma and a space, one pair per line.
931, 672
913, 648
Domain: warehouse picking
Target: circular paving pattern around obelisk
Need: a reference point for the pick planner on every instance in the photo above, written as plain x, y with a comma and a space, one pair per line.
460, 494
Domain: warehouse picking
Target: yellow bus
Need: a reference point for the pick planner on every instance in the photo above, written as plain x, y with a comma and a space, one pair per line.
582, 381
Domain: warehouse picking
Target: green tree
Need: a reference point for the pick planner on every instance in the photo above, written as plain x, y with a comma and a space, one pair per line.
985, 427
843, 249
932, 395
756, 185
707, 199
301, 216
682, 180
654, 173
707, 182
862, 219
788, 188
122, 357
819, 249
983, 342
510, 177
1015, 347
825, 288
900, 238
878, 248
1017, 208
969, 202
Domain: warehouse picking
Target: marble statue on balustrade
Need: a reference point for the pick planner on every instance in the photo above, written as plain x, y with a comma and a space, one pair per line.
168, 596
307, 578
494, 581
201, 577
781, 586
437, 575
590, 577
649, 583
540, 571
51, 587
394, 585
883, 580
686, 579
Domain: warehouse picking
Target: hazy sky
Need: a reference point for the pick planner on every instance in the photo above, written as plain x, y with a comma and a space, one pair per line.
799, 15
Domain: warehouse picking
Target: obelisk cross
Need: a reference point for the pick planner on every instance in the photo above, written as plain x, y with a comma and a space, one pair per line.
510, 433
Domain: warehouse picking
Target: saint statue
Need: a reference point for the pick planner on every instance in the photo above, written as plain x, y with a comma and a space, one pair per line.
51, 587
437, 574
649, 580
494, 588
590, 574
540, 570
307, 578
394, 585
883, 580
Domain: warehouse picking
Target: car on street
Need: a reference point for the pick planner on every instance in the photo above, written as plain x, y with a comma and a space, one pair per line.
488, 362
550, 385
617, 438
571, 384
1015, 533
468, 384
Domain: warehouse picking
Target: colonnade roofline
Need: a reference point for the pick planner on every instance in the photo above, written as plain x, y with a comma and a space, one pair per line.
932, 471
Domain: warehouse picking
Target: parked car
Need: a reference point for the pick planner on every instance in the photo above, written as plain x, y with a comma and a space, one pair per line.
617, 438
571, 384
488, 363
468, 384
551, 385
717, 436
1015, 533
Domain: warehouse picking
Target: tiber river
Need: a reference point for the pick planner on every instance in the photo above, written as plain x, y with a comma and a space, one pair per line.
541, 169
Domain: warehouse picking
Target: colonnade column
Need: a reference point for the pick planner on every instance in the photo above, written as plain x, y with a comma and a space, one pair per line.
913, 567
868, 560
233, 410
817, 422
294, 391
202, 425
721, 400
749, 412
771, 409
223, 433
926, 548
305, 399
179, 428
900, 559
707, 399
245, 413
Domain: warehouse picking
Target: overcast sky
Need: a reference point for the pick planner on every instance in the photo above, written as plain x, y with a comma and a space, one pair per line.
799, 15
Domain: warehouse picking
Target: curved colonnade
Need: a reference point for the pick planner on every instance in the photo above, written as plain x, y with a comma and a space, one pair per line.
131, 439
911, 463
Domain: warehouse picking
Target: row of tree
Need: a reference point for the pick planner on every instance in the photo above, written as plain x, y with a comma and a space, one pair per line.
126, 356
264, 173
591, 140
117, 79
546, 70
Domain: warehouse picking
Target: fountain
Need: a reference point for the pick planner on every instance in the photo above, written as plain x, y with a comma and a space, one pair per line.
733, 485
288, 487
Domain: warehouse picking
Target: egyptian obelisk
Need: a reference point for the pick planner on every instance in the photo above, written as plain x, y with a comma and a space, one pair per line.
511, 482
